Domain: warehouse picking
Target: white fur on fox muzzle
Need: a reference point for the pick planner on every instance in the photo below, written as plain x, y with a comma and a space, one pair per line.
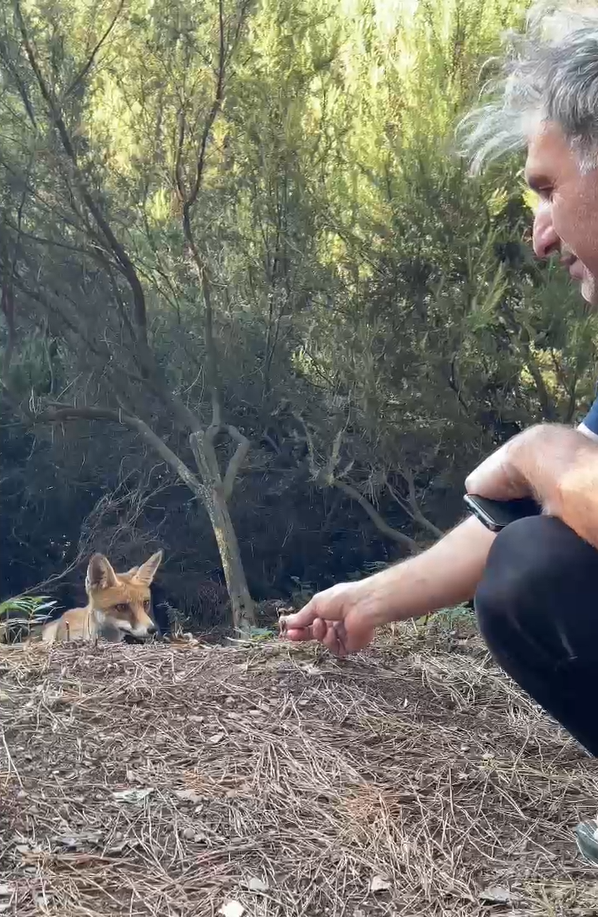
141, 630
126, 626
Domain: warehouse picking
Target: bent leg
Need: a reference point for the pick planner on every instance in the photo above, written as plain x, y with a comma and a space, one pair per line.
537, 607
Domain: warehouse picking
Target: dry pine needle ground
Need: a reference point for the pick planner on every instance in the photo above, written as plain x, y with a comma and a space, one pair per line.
269, 780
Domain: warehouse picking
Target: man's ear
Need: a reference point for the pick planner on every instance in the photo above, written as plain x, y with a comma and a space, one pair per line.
100, 574
147, 571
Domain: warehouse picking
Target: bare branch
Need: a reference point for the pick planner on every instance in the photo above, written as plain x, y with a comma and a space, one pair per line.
7, 307
332, 463
185, 417
76, 326
93, 251
214, 110
210, 342
382, 526
91, 60
411, 506
455, 385
326, 477
189, 199
571, 402
178, 163
311, 452
14, 72
125, 263
234, 466
62, 413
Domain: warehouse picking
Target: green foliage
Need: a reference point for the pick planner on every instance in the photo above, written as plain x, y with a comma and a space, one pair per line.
261, 634
450, 618
364, 286
20, 614
28, 608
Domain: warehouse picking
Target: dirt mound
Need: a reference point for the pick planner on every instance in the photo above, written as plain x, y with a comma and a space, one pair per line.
142, 780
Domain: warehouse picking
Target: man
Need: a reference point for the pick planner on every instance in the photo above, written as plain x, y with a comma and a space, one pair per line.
535, 584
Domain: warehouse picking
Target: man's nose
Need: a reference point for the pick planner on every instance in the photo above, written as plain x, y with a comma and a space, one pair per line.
546, 240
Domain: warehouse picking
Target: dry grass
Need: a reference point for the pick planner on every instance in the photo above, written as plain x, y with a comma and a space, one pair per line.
407, 781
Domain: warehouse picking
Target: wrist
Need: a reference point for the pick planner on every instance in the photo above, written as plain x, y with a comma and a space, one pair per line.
380, 596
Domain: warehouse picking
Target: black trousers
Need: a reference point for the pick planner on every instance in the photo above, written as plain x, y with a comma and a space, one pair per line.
537, 607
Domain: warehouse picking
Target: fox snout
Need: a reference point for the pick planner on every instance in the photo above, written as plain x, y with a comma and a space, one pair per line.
145, 630
144, 626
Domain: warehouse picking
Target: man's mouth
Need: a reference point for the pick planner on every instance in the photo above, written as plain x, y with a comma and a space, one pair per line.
579, 272
575, 267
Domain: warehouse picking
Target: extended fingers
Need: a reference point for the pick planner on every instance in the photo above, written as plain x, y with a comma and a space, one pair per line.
297, 634
315, 631
335, 639
331, 634
300, 620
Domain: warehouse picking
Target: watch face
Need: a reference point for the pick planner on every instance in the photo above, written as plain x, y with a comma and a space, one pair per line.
497, 514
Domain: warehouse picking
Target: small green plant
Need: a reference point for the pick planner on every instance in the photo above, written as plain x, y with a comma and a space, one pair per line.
261, 634
450, 618
252, 635
21, 613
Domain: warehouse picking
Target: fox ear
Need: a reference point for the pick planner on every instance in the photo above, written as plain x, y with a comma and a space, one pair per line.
147, 571
132, 572
100, 574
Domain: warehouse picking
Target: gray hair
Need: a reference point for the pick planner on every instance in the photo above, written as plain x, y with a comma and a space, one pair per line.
550, 73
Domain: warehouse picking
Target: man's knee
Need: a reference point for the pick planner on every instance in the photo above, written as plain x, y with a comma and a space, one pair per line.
533, 563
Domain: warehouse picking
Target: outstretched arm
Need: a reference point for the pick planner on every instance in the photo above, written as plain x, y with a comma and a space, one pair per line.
556, 464
344, 617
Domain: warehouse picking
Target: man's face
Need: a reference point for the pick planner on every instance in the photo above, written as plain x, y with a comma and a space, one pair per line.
566, 221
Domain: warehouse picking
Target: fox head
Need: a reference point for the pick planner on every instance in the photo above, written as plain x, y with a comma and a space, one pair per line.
123, 599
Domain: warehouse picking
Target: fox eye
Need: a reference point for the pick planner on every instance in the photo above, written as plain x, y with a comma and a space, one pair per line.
146, 604
122, 607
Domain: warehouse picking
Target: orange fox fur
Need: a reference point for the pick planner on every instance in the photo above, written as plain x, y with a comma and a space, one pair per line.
118, 604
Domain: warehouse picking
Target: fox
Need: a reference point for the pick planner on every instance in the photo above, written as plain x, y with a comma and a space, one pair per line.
118, 604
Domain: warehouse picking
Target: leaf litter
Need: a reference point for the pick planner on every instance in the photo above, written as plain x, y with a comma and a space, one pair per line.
410, 780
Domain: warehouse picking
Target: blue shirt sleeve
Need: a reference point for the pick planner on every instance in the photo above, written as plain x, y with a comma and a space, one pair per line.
590, 421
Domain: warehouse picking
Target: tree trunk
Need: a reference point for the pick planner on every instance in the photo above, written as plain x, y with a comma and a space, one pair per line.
215, 494
243, 610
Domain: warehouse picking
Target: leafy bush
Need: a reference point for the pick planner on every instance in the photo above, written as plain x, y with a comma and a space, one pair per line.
21, 614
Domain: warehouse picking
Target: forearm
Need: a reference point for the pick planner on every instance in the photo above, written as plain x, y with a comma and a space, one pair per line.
445, 575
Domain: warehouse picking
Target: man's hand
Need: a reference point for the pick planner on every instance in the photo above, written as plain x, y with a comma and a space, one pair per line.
500, 476
555, 464
342, 618
345, 617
